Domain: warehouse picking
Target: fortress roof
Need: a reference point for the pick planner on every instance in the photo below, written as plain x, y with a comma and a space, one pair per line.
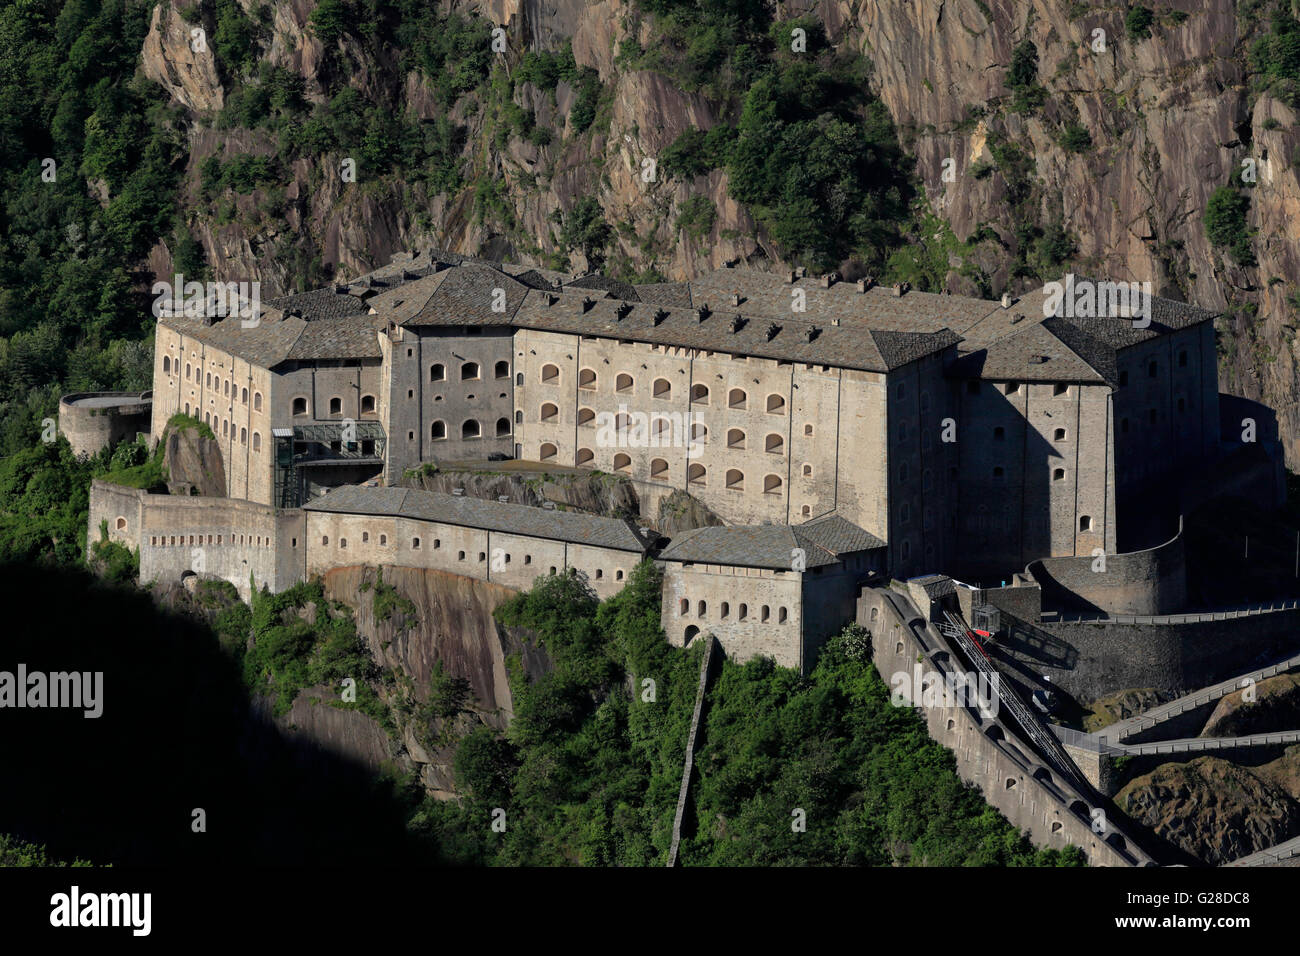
618, 534
771, 545
278, 338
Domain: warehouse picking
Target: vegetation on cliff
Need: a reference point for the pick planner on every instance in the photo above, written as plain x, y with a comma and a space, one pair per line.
589, 770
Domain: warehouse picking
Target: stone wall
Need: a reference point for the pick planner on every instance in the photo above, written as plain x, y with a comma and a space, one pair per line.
515, 561
89, 428
1012, 778
752, 612
1153, 581
1092, 659
225, 538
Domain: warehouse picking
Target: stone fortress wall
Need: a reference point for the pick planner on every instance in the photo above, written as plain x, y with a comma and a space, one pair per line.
1013, 779
94, 420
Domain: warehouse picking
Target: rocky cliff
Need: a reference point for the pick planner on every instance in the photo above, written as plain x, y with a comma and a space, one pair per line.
1101, 155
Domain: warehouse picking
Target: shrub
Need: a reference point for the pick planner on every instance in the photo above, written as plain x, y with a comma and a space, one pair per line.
1137, 23
1225, 223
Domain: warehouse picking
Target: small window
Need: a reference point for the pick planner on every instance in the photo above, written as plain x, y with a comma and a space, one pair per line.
325, 539
243, 396
972, 388
618, 574
1058, 434
808, 430
243, 436
999, 433
502, 370
550, 374
735, 439
774, 444
1152, 369
1123, 379
519, 378
697, 475
469, 371
585, 456
336, 406
383, 540
735, 479
1182, 404
343, 542
1182, 359
726, 610
587, 379
548, 452
659, 469
471, 429
300, 406
772, 485
415, 544
1058, 474
624, 383
257, 401
662, 389
622, 463
367, 404
1011, 388
167, 365
1085, 523
699, 394
775, 405
807, 471
1060, 389
737, 398
257, 441
549, 412
438, 430
764, 614
742, 612
503, 427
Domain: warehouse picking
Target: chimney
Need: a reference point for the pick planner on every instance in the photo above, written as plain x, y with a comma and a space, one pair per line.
736, 299
800, 272
660, 315
458, 492
738, 323
790, 277
835, 321
702, 313
773, 331
1006, 300
829, 279
864, 285
813, 333
504, 499
587, 303
623, 311
551, 299
548, 505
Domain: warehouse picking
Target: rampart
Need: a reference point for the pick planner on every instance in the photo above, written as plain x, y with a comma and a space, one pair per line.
94, 420
227, 538
1153, 581
1013, 779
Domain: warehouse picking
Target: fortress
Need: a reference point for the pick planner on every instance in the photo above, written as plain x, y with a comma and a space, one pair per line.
841, 430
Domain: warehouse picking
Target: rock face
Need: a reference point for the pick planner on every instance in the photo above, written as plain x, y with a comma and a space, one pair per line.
349, 733
1213, 809
193, 464
606, 495
1169, 118
1276, 707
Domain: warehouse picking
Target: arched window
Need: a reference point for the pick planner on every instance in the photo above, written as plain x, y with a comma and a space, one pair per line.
775, 405
549, 412
586, 416
1058, 474
367, 404
257, 402
257, 441
764, 614
469, 371
684, 606
502, 370
585, 456
701, 608
697, 475
519, 378
807, 471
1085, 523
735, 438
771, 485
548, 452
662, 389
699, 433
806, 511
243, 396
471, 429
243, 436
624, 382
699, 394
587, 378
225, 388
415, 544
659, 469
1058, 435
737, 398
726, 610
742, 612
782, 615
188, 368
622, 463
550, 374
774, 444
120, 524
661, 431
437, 372
808, 430
438, 430
336, 406
167, 365
207, 380
300, 406
519, 418
503, 427
735, 479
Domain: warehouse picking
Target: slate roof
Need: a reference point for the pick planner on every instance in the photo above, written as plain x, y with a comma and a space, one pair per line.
320, 303
771, 545
615, 533
838, 535
465, 296
278, 339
